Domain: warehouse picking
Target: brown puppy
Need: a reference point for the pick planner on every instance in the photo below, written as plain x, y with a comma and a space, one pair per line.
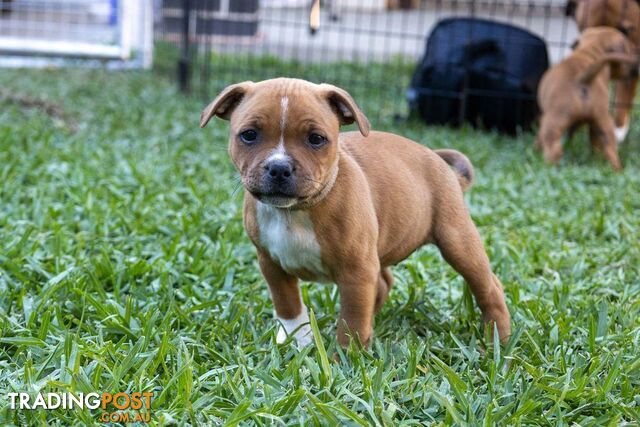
575, 91
326, 206
623, 15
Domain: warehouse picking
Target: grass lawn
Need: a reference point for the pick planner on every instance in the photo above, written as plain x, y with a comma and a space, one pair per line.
124, 267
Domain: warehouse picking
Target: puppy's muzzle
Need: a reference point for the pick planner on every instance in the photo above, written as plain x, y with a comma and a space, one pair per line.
279, 171
278, 182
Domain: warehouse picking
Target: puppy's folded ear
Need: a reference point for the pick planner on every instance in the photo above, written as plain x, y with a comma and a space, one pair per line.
346, 108
624, 29
626, 26
225, 102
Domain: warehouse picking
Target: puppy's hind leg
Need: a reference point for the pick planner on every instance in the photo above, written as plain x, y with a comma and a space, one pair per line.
461, 246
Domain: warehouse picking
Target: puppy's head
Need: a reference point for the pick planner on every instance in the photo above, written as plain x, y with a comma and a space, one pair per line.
284, 136
613, 41
605, 40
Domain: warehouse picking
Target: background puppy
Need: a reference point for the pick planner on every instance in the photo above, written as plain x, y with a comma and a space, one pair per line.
342, 207
575, 91
623, 15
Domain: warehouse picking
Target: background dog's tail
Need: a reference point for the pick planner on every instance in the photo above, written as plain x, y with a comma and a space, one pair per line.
461, 165
592, 70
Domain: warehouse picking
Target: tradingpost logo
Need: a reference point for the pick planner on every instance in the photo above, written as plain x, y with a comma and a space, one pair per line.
114, 407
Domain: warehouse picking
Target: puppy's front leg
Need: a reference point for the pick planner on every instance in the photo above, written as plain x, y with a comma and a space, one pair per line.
285, 294
358, 288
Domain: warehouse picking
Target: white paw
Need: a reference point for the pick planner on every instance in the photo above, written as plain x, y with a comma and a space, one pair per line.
621, 132
299, 327
304, 336
282, 335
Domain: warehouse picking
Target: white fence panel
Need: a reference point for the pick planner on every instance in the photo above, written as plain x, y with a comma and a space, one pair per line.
87, 29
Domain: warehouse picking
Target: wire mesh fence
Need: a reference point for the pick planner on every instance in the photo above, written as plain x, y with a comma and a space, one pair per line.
369, 47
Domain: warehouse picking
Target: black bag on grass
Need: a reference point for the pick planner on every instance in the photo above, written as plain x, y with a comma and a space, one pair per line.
479, 71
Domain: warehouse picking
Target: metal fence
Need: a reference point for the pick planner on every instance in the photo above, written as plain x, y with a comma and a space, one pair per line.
369, 47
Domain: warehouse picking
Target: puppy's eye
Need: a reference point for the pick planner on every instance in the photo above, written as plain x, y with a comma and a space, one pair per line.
316, 140
249, 136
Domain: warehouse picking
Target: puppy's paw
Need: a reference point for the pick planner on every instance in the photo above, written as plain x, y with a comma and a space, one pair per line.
303, 336
299, 327
621, 132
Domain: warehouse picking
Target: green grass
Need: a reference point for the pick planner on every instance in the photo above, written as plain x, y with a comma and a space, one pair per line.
124, 266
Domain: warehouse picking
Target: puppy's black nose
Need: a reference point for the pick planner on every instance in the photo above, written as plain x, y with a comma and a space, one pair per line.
279, 169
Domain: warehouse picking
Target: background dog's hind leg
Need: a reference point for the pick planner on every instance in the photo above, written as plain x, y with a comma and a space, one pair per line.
596, 137
461, 246
604, 127
550, 137
625, 92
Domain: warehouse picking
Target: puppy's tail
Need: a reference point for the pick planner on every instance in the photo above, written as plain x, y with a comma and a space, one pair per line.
594, 69
461, 166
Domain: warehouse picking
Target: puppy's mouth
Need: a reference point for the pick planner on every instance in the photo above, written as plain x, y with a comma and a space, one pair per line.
276, 198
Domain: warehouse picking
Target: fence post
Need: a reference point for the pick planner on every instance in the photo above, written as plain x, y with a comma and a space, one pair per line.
185, 58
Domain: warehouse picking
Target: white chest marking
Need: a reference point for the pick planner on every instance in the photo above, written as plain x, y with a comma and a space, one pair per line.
289, 238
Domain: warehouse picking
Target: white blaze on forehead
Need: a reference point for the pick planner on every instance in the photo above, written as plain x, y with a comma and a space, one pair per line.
284, 104
279, 153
